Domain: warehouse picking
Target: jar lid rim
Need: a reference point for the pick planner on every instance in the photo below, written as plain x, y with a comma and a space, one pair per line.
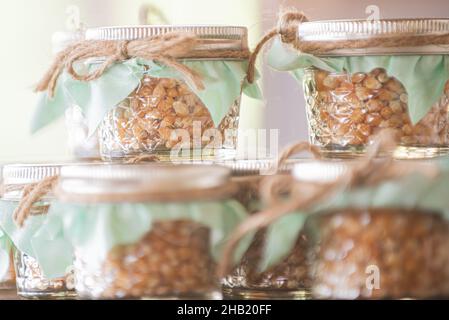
132, 32
358, 29
20, 174
321, 171
140, 178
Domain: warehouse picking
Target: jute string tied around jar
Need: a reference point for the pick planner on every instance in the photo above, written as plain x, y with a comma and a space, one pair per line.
253, 182
369, 171
32, 194
166, 49
287, 29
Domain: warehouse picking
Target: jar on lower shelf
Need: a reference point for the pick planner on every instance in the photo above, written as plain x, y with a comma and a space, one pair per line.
349, 230
173, 260
380, 253
33, 284
381, 238
160, 229
31, 280
7, 274
289, 278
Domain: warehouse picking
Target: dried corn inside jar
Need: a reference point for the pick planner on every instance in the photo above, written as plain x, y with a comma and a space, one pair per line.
379, 241
38, 274
169, 91
285, 280
146, 231
358, 79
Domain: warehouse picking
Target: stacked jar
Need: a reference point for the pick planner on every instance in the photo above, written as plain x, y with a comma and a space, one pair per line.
7, 274
22, 226
369, 232
288, 278
166, 91
146, 231
363, 76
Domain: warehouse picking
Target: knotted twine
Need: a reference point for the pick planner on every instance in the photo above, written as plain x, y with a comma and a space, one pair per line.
165, 49
31, 194
369, 171
251, 184
287, 29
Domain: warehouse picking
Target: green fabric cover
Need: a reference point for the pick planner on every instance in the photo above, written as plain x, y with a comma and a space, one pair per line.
423, 76
410, 192
222, 79
95, 229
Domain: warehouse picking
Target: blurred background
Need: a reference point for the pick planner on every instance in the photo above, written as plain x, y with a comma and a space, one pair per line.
27, 28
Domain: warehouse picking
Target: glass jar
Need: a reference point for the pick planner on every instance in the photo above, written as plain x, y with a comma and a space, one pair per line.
80, 144
286, 280
353, 92
346, 110
172, 220
163, 114
380, 253
31, 281
7, 273
379, 240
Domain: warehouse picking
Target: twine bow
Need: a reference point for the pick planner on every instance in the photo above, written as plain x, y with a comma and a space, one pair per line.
32, 194
287, 28
371, 170
163, 48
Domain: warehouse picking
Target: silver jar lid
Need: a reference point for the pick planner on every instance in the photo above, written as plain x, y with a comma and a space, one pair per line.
320, 171
344, 30
258, 167
215, 37
17, 176
118, 179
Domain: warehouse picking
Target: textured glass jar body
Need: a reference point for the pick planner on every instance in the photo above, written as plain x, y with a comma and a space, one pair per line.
164, 115
80, 145
8, 281
171, 261
286, 280
379, 254
32, 284
345, 111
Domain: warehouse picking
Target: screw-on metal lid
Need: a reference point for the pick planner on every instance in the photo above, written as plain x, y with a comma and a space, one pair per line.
258, 167
215, 37
320, 171
338, 30
150, 178
17, 176
23, 174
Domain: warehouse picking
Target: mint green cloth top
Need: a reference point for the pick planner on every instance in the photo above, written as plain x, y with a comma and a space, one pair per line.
54, 254
5, 254
423, 76
224, 81
97, 228
414, 191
